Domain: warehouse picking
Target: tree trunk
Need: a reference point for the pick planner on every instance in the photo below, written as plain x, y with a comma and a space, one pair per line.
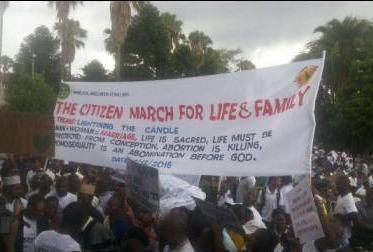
70, 71
1, 46
62, 61
117, 67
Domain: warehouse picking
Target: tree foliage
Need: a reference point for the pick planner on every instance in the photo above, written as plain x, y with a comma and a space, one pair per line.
27, 95
63, 9
74, 36
94, 71
345, 100
44, 46
157, 48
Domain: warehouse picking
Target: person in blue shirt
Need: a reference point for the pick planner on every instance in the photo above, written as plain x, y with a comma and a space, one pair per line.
116, 221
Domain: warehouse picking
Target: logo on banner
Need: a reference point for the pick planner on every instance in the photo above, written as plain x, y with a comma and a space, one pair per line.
305, 75
64, 91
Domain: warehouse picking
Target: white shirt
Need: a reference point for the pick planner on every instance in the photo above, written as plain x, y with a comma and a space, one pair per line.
310, 247
66, 200
228, 243
278, 248
103, 200
284, 190
29, 175
10, 205
270, 203
251, 226
345, 205
370, 181
361, 191
353, 181
51, 241
185, 247
257, 217
29, 234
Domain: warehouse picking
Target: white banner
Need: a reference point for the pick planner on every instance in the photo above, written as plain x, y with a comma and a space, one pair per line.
258, 122
303, 212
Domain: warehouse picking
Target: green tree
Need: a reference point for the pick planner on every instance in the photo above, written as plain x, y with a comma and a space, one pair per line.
74, 36
156, 48
63, 9
110, 43
44, 46
173, 26
27, 95
147, 51
343, 42
120, 15
344, 103
197, 57
6, 64
94, 71
244, 64
3, 6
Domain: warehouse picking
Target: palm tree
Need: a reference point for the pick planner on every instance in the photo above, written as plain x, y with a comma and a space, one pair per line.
3, 6
63, 10
199, 41
341, 40
109, 42
174, 28
74, 36
120, 14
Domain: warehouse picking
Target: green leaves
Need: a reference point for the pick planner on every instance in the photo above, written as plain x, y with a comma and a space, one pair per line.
156, 48
344, 109
94, 71
26, 95
44, 46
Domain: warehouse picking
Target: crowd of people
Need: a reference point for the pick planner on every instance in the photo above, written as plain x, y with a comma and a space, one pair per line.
64, 206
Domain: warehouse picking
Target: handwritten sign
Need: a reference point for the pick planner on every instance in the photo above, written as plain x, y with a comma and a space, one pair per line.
27, 133
303, 213
143, 185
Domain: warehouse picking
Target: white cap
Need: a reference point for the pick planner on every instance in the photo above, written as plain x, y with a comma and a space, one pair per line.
12, 180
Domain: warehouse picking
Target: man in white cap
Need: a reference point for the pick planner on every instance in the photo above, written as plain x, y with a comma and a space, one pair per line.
243, 187
13, 192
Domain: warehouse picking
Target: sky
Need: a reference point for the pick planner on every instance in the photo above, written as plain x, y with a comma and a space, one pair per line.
268, 33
